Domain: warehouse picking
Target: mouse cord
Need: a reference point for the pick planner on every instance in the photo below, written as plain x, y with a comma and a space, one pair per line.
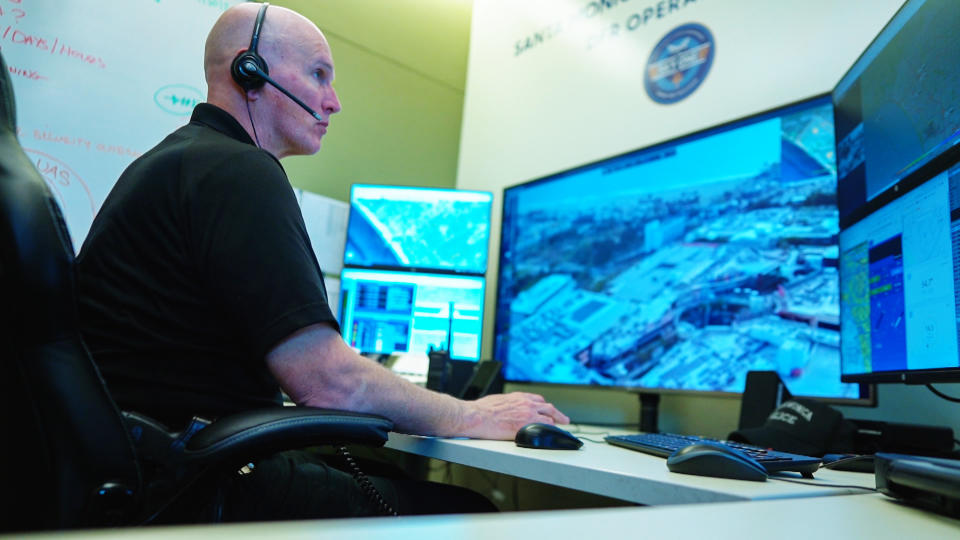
822, 484
624, 425
578, 431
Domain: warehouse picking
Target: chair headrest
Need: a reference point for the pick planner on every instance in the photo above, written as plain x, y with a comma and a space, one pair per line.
8, 106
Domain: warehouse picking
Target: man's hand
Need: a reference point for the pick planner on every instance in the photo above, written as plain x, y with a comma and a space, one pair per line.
500, 416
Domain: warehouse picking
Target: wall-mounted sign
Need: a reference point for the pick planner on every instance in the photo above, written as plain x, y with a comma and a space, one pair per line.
679, 63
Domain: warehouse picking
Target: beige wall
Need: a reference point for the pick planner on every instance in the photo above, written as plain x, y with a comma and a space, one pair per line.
400, 67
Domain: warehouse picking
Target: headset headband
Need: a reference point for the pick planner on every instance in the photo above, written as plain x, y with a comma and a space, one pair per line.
255, 38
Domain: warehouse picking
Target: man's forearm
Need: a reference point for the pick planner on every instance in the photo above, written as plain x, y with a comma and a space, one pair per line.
413, 409
316, 368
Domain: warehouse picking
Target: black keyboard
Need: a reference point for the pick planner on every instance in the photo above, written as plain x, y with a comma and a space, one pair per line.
665, 444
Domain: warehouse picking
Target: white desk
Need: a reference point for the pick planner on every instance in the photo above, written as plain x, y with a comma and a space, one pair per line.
825, 518
611, 471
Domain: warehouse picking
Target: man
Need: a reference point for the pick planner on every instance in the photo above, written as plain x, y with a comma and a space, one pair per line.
200, 293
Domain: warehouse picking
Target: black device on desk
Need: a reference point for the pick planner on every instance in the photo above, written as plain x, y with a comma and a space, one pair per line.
932, 483
438, 369
850, 462
481, 379
670, 445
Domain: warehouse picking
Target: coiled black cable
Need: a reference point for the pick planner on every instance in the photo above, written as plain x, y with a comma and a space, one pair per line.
365, 484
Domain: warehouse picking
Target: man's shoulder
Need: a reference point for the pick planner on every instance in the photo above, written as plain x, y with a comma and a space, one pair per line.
207, 145
199, 145
213, 157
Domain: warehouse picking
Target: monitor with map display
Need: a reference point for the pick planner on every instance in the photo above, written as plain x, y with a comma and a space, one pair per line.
898, 142
681, 266
412, 228
390, 312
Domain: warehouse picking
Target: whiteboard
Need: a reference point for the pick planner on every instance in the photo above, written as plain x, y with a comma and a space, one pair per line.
100, 82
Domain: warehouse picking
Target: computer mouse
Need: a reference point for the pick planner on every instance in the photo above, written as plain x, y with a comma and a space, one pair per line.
546, 436
709, 459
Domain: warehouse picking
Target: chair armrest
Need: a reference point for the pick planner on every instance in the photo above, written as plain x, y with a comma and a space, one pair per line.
262, 432
175, 461
247, 436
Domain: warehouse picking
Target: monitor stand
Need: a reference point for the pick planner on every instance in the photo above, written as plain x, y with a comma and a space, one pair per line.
649, 411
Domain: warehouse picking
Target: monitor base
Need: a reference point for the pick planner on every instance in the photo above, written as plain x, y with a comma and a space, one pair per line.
649, 412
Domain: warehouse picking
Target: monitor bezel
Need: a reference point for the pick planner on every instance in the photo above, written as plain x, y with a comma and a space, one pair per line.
916, 376
916, 178
419, 269
867, 392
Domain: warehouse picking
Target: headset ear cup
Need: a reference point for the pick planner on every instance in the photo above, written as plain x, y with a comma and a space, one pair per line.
247, 80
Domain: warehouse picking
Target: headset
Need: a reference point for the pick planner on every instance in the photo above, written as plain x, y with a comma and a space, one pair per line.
250, 70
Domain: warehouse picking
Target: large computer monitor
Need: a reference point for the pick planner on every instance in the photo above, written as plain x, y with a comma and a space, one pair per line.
682, 266
898, 141
418, 229
405, 312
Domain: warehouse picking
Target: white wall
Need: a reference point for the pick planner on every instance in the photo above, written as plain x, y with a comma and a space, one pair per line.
577, 96
552, 84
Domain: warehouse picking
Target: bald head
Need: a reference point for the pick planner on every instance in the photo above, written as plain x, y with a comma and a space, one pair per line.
297, 57
231, 32
282, 29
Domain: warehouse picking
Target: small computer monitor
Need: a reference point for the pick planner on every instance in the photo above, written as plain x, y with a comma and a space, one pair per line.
390, 312
682, 266
899, 296
898, 143
898, 107
418, 229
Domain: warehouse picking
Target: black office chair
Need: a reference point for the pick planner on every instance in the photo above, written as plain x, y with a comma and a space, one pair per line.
72, 459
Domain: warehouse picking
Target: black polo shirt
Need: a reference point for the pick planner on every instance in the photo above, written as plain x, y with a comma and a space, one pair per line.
197, 264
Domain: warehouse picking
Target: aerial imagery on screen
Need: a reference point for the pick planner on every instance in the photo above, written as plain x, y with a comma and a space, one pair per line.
682, 266
418, 228
897, 107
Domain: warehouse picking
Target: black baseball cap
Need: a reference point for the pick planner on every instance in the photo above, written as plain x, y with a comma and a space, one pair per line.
801, 426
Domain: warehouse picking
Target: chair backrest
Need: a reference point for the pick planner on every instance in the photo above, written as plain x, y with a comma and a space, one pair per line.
70, 461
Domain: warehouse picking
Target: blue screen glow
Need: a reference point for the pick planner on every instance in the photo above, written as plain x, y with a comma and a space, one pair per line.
418, 229
680, 266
